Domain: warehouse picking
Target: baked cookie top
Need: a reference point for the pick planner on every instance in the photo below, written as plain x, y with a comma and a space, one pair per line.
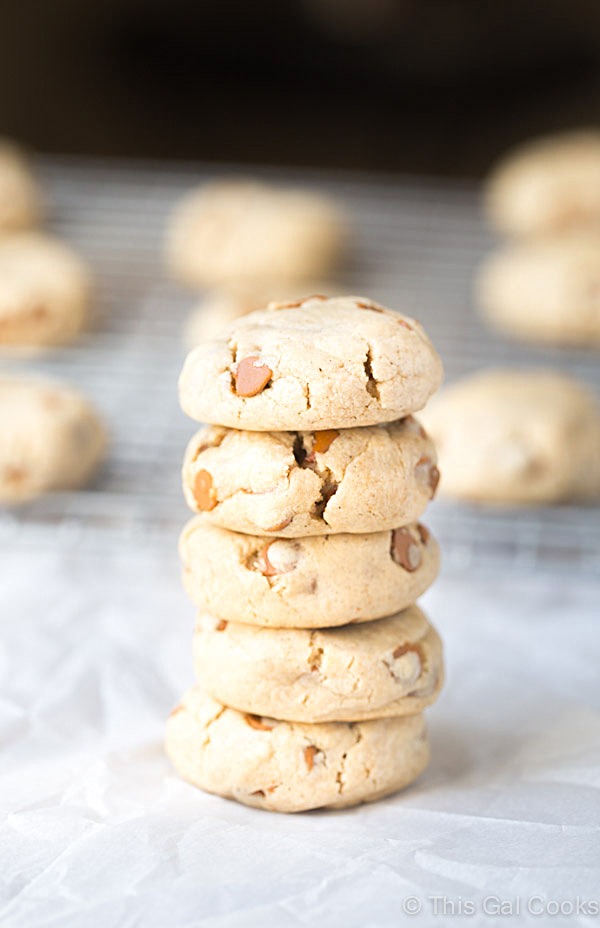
387, 668
517, 436
50, 438
313, 582
44, 290
311, 483
548, 185
319, 363
231, 231
545, 289
291, 766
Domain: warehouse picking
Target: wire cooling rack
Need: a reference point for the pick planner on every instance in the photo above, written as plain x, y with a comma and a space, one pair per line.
415, 245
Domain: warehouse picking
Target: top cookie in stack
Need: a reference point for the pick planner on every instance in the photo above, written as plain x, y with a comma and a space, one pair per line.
319, 363
309, 480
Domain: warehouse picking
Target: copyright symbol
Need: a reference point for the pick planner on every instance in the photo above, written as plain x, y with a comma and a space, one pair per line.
412, 905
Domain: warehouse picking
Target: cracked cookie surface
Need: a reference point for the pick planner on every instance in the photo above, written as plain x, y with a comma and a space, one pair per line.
294, 484
292, 767
50, 438
387, 668
517, 436
313, 582
231, 232
332, 363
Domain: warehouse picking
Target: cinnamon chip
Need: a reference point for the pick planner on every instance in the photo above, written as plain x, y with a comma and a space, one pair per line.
199, 450
415, 426
285, 558
254, 721
251, 376
221, 626
404, 550
309, 756
424, 533
293, 304
280, 525
14, 475
427, 472
374, 307
204, 492
406, 649
266, 568
324, 440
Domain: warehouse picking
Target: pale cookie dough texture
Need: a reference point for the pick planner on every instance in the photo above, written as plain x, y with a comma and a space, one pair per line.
50, 439
549, 185
44, 291
315, 582
293, 767
19, 196
547, 290
514, 436
319, 364
231, 231
218, 309
294, 484
383, 669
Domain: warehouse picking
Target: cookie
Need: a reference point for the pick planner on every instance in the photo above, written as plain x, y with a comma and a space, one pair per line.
50, 439
235, 231
19, 196
294, 484
548, 185
292, 767
547, 290
219, 309
383, 669
323, 364
314, 582
514, 436
44, 291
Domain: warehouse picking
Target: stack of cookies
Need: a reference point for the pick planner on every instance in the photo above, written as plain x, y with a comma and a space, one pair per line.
314, 665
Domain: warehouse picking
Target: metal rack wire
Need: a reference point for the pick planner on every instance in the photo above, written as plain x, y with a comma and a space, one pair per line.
415, 245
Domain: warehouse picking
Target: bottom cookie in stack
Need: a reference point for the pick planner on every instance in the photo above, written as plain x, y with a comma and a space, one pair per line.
290, 766
296, 719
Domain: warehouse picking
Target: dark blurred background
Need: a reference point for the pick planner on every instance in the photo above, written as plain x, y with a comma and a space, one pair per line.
426, 86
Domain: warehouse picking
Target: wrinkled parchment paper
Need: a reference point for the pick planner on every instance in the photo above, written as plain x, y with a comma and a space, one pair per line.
98, 831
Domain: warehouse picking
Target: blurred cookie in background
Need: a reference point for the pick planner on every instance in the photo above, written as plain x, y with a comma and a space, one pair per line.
230, 232
45, 291
516, 437
546, 290
548, 185
218, 308
50, 438
20, 201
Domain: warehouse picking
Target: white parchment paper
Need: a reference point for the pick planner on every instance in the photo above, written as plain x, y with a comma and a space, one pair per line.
98, 831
